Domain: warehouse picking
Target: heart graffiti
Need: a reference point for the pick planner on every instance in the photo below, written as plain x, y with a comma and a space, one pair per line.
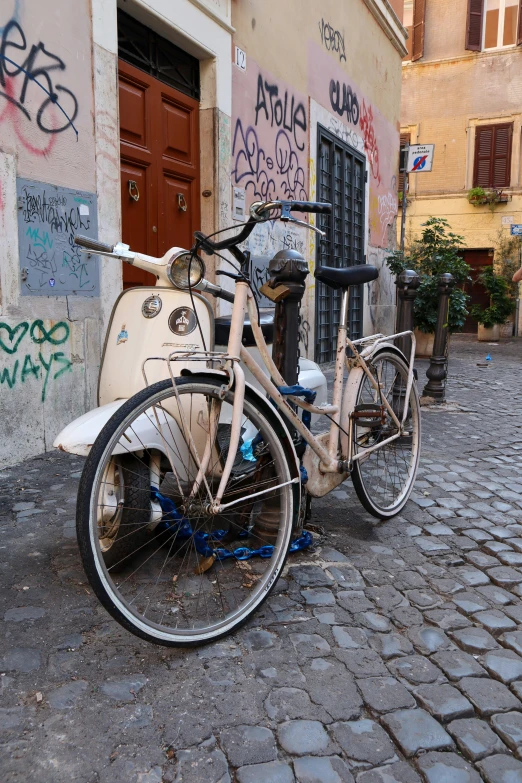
15, 335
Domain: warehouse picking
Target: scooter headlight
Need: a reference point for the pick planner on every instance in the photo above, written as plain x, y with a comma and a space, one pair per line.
185, 270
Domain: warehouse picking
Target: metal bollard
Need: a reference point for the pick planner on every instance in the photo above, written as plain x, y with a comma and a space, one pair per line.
407, 284
289, 268
437, 371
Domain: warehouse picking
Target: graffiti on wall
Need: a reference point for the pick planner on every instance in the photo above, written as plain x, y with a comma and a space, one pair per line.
29, 89
387, 211
21, 365
344, 101
270, 138
358, 122
332, 39
49, 217
371, 146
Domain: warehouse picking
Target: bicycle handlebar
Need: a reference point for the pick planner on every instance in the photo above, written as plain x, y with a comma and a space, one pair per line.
257, 211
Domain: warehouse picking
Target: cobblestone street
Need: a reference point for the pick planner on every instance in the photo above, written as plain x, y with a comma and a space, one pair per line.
390, 654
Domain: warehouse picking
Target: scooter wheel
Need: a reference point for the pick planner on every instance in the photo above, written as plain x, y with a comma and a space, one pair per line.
124, 522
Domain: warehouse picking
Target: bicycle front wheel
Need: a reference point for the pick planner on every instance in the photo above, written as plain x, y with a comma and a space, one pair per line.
197, 575
383, 477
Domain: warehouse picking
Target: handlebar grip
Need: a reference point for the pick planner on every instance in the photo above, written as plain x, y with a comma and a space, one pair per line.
93, 244
226, 295
317, 207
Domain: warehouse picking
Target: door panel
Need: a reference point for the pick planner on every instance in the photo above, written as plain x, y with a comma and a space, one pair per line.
160, 152
177, 132
137, 218
478, 260
176, 224
133, 112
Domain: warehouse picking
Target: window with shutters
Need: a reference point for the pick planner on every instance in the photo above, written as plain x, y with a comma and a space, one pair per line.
417, 36
493, 156
493, 24
500, 23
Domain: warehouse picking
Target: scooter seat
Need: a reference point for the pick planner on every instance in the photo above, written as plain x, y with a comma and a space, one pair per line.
266, 317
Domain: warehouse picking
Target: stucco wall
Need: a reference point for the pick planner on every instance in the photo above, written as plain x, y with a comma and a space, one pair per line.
49, 345
308, 57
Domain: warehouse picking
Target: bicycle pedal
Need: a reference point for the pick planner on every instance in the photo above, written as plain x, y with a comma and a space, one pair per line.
369, 416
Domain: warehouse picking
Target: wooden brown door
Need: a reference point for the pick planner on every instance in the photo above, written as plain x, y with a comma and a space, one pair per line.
478, 260
159, 135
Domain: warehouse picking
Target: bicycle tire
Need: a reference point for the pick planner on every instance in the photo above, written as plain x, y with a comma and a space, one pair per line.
89, 551
364, 482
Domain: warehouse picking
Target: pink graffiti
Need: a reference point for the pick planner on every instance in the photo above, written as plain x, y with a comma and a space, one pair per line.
370, 140
11, 114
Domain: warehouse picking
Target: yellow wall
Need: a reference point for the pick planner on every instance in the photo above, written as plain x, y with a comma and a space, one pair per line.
445, 95
305, 53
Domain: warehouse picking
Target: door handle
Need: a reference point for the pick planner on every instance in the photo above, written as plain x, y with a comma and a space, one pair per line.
182, 204
133, 186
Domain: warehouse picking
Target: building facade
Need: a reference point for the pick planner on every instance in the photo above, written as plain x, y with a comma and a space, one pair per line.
462, 91
149, 119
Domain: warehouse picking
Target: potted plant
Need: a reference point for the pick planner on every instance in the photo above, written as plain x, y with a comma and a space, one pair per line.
477, 196
436, 252
500, 308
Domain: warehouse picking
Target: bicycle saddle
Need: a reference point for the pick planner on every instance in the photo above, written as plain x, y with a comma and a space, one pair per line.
346, 276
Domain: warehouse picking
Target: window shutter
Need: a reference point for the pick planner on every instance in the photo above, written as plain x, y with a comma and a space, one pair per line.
483, 156
474, 25
405, 139
502, 156
493, 156
519, 29
419, 15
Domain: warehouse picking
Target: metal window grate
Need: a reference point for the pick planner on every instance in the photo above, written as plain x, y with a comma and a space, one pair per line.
340, 181
148, 51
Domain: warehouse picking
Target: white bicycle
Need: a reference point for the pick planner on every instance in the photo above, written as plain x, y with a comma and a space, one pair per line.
227, 490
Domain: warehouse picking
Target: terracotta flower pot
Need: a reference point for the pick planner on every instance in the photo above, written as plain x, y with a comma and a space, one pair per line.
490, 334
424, 343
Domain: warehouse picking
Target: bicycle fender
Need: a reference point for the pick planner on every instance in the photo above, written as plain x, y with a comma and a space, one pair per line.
351, 388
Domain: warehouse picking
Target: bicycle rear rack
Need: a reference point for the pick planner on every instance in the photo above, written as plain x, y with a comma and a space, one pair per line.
215, 360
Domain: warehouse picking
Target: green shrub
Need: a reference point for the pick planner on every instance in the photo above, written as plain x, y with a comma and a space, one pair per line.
436, 252
502, 305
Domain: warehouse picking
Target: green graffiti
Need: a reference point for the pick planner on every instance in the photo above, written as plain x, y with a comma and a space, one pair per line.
47, 336
9, 379
29, 368
14, 336
52, 367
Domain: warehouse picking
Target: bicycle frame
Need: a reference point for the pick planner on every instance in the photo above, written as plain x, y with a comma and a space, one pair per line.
340, 435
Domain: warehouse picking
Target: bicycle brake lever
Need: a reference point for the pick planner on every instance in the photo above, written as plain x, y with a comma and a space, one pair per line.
303, 223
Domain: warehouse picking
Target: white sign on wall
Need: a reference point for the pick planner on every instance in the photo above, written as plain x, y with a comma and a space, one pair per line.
240, 59
238, 204
507, 220
420, 158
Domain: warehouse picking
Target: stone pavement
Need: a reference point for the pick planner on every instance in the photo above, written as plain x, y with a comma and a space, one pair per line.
391, 654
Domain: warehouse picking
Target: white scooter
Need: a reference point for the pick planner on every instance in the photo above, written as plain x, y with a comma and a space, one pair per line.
147, 325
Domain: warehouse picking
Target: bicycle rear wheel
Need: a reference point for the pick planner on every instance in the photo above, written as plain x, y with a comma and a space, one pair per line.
384, 478
192, 580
